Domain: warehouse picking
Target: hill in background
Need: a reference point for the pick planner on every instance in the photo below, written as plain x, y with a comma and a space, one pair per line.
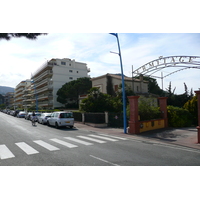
5, 89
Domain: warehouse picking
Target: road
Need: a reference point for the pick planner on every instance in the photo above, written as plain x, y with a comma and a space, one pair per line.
22, 144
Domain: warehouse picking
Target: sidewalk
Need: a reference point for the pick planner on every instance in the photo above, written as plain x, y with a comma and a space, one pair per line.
181, 136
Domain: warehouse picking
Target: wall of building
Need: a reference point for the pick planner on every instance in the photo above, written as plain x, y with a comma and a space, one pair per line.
139, 85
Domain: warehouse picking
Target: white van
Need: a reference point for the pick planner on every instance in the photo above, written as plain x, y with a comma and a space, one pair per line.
61, 118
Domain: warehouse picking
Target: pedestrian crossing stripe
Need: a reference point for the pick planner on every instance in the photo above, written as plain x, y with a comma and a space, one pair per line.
69, 145
104, 138
5, 152
120, 138
46, 145
91, 139
26, 148
78, 141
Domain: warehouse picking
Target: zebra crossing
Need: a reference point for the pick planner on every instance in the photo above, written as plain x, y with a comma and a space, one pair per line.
69, 142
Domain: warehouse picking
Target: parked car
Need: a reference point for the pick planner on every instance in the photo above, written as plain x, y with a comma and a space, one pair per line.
43, 118
28, 115
21, 114
16, 113
59, 119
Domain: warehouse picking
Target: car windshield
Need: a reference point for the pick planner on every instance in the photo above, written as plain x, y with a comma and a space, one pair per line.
66, 115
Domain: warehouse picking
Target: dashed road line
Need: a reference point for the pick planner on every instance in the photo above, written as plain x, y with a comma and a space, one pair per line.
104, 160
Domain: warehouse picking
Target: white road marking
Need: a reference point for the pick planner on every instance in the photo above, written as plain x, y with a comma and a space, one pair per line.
104, 160
46, 145
104, 138
5, 152
26, 148
64, 143
78, 141
92, 139
120, 138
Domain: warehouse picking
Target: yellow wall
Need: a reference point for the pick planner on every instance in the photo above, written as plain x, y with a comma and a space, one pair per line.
151, 125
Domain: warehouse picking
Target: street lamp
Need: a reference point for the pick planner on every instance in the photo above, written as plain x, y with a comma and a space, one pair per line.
123, 89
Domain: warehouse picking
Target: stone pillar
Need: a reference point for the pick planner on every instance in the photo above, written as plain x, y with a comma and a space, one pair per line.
163, 108
134, 125
198, 107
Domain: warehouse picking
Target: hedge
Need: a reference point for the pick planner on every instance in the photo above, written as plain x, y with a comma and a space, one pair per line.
178, 117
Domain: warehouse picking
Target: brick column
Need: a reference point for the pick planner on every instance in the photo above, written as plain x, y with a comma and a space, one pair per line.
134, 125
198, 107
163, 108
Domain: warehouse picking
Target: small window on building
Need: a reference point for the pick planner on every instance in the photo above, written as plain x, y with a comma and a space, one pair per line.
116, 88
76, 71
63, 63
70, 70
71, 78
70, 64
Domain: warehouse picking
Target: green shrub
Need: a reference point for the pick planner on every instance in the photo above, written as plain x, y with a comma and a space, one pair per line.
178, 117
146, 110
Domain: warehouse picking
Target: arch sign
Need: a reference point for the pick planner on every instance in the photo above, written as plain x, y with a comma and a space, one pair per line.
184, 62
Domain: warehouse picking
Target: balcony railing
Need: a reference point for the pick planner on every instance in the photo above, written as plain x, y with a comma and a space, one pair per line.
42, 67
45, 73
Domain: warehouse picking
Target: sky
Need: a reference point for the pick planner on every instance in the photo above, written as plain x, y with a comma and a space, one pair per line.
20, 57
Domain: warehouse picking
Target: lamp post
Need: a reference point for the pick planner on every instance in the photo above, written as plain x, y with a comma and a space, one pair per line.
123, 89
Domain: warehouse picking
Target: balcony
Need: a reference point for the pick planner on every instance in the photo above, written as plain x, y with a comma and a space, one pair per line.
46, 73
45, 103
37, 84
45, 88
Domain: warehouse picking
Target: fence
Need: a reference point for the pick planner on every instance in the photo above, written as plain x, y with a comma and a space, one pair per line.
114, 120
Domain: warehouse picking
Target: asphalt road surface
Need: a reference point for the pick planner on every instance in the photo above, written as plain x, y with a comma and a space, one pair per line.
22, 144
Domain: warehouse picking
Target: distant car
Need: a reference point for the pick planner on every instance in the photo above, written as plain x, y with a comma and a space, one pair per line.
21, 114
59, 119
43, 118
37, 115
16, 113
28, 115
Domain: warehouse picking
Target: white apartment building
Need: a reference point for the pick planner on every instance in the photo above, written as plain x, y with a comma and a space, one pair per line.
51, 76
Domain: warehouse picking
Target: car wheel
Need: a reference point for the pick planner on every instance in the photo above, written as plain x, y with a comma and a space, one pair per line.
56, 124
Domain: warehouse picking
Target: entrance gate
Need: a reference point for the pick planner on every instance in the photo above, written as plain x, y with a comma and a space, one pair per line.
177, 63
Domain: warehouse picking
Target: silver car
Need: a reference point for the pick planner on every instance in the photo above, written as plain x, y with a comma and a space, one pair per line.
59, 119
43, 118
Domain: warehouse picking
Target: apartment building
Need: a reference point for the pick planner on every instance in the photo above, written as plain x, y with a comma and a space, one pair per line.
18, 94
139, 86
51, 76
28, 95
9, 99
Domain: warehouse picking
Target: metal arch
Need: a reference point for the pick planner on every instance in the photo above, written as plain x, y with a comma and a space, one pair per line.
163, 62
183, 62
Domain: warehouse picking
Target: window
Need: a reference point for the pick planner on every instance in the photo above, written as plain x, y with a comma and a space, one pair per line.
77, 72
70, 70
70, 64
63, 63
71, 78
116, 88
